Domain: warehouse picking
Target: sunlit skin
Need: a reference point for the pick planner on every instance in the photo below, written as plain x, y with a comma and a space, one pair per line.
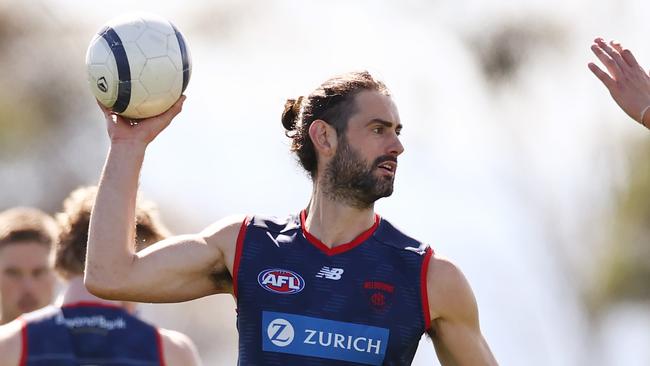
26, 279
628, 83
363, 168
181, 268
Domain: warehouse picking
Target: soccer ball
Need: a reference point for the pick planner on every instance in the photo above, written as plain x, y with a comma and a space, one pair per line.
138, 65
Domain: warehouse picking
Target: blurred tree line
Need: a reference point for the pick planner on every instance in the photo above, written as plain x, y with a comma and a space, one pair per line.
622, 260
49, 131
625, 265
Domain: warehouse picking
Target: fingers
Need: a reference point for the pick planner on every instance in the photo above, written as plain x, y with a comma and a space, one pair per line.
176, 107
165, 118
608, 56
626, 54
603, 76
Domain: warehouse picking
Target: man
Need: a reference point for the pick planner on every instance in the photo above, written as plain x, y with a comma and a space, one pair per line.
625, 79
85, 329
26, 279
333, 285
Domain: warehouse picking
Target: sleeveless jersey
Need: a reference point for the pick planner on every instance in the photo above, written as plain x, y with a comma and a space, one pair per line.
88, 334
302, 303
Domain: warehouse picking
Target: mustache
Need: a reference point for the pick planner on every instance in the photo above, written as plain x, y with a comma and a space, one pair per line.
385, 158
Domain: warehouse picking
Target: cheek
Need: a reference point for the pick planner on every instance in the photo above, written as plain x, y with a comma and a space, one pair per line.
9, 290
45, 280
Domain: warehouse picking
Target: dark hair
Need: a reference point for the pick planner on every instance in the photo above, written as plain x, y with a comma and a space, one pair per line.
70, 253
332, 102
23, 224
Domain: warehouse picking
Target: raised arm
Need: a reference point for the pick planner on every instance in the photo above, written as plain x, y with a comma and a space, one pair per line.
455, 331
625, 79
176, 269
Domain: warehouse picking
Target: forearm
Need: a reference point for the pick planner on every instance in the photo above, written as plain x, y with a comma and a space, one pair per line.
111, 237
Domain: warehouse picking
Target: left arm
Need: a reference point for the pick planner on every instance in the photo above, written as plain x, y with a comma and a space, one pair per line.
454, 317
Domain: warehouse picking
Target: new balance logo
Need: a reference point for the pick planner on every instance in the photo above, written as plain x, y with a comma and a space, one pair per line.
421, 250
330, 273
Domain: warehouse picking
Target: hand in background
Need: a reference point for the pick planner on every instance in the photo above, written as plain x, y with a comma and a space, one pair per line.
625, 79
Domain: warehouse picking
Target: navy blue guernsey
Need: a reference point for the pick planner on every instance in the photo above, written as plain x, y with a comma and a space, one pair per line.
302, 303
89, 334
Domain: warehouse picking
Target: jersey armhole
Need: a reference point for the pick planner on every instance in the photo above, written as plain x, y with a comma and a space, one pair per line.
424, 293
238, 252
161, 349
23, 337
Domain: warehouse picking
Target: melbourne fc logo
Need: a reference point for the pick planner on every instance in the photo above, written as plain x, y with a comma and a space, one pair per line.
380, 294
281, 281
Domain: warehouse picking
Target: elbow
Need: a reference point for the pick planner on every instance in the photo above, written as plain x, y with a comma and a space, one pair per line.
101, 288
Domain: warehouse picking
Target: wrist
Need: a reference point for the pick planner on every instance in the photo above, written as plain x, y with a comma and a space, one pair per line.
129, 144
645, 117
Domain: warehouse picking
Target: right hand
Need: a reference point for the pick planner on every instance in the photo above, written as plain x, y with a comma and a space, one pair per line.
121, 129
626, 81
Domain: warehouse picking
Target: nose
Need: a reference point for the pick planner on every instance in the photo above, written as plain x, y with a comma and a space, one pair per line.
28, 284
396, 147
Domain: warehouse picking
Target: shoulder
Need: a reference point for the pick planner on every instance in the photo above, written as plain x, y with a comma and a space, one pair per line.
226, 226
449, 293
389, 234
11, 343
178, 349
275, 224
224, 232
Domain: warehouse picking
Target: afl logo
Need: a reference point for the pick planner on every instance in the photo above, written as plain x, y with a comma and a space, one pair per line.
281, 281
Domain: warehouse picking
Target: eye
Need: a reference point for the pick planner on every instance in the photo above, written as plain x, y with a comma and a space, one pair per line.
378, 129
12, 273
398, 131
39, 272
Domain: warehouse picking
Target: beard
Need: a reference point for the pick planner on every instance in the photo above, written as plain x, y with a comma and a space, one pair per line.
351, 180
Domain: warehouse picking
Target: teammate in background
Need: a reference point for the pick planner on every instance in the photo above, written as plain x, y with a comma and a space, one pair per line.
625, 79
334, 284
85, 329
26, 278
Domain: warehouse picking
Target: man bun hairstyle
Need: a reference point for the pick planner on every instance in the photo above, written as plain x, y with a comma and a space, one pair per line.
332, 102
291, 113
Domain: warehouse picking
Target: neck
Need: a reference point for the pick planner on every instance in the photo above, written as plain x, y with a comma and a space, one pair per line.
335, 223
76, 292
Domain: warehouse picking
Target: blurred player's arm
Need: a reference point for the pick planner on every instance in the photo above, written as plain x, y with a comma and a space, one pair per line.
178, 349
11, 344
455, 330
625, 79
176, 269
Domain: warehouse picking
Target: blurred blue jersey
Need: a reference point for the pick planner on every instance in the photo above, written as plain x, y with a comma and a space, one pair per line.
89, 334
302, 303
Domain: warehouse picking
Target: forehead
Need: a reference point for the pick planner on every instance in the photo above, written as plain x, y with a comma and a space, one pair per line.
24, 254
370, 104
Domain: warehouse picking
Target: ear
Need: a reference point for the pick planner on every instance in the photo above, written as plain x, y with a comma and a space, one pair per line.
324, 137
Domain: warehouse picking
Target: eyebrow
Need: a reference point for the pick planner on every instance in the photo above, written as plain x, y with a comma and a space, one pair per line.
385, 123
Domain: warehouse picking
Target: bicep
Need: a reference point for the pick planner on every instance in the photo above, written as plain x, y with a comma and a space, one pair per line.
184, 267
456, 330
176, 269
460, 344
